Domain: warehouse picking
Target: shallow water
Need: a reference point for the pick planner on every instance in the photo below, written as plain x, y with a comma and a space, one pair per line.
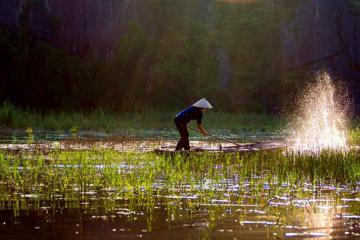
219, 206
22, 136
144, 141
331, 213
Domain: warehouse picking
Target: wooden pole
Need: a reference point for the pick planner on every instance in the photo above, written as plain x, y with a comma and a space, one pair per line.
222, 139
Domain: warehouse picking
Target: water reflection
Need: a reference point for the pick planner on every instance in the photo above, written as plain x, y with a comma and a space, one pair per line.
329, 216
317, 221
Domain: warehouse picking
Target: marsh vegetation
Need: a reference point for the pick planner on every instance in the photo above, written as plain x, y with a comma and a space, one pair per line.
100, 191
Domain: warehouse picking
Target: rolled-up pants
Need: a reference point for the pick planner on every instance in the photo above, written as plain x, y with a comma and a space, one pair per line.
184, 136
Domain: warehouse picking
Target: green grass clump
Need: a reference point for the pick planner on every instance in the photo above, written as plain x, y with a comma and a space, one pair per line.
354, 136
132, 174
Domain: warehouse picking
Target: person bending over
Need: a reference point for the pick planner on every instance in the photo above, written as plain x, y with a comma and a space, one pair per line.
194, 112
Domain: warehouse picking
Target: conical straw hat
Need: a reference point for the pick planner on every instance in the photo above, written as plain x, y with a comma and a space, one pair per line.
203, 103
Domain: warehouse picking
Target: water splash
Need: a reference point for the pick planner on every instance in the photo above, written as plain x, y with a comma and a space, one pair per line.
321, 122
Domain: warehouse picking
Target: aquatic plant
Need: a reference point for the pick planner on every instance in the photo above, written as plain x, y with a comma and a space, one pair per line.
133, 173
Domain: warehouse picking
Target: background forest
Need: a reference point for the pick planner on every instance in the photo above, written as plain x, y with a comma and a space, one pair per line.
126, 56
231, 55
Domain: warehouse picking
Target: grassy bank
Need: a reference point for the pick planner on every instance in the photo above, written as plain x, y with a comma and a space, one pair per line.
217, 122
15, 118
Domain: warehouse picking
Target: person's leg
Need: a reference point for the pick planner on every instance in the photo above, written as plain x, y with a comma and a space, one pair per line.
184, 136
186, 143
184, 140
179, 144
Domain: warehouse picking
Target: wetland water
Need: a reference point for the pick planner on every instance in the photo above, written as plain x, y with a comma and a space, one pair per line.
99, 187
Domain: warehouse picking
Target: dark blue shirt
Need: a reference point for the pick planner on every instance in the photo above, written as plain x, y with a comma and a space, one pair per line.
188, 114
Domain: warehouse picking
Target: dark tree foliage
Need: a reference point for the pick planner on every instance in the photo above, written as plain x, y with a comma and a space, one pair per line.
44, 77
174, 67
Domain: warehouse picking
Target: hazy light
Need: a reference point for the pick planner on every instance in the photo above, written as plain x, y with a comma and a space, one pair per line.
320, 124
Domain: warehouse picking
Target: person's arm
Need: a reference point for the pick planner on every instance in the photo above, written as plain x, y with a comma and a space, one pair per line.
202, 130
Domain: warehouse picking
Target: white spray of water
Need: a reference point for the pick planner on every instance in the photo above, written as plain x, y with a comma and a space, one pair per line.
321, 123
